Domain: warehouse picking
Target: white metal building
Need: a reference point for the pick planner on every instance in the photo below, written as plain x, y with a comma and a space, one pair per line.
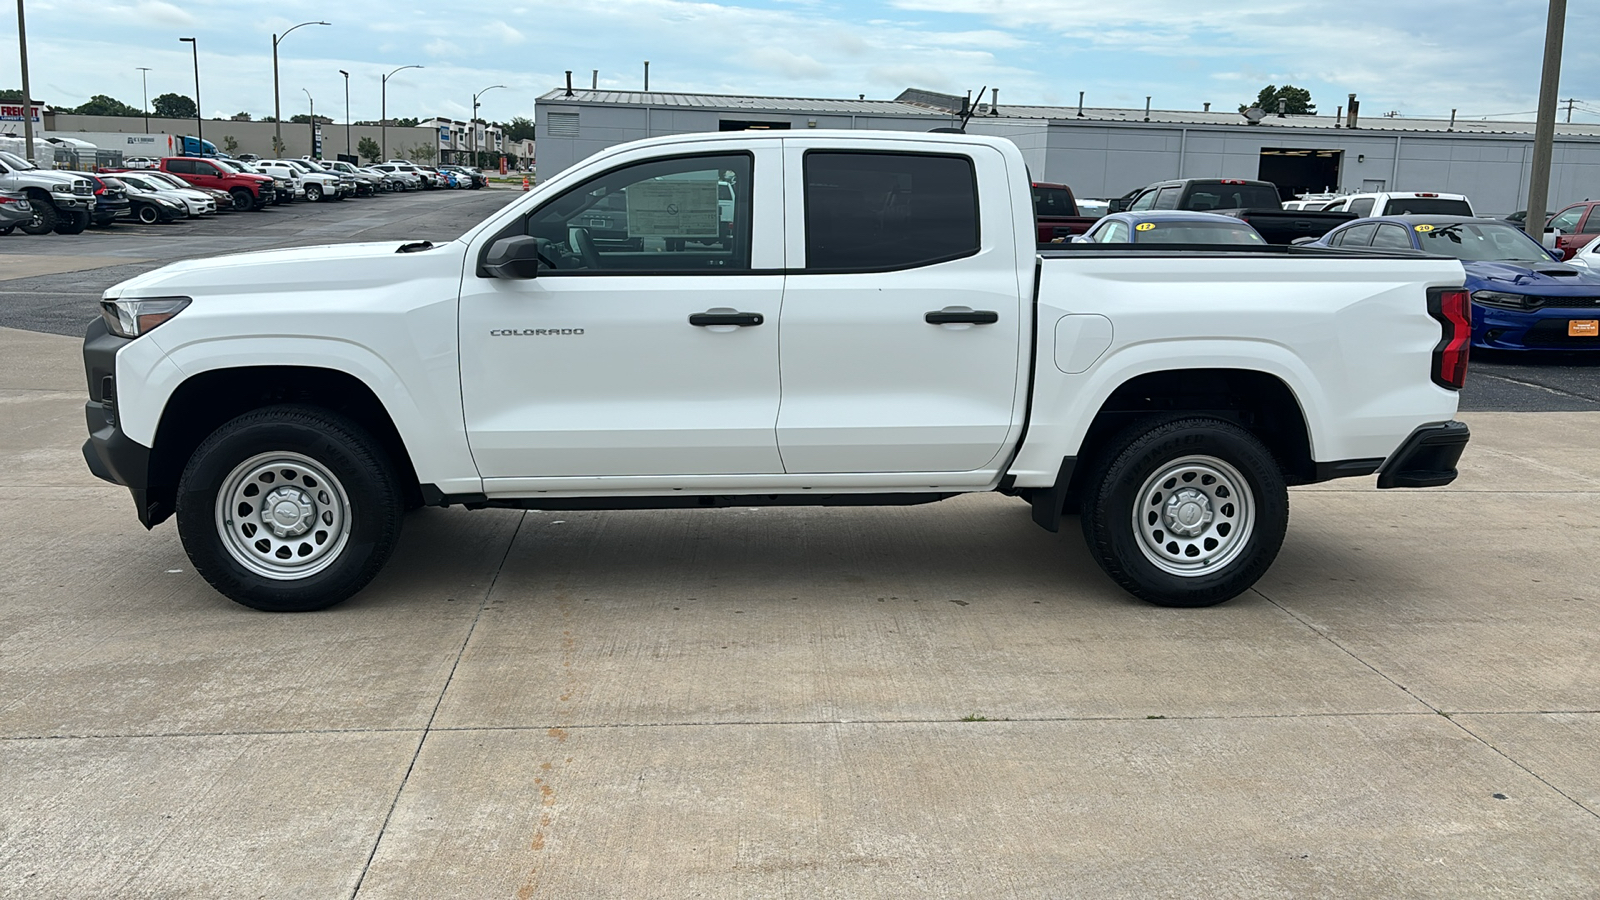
1104, 152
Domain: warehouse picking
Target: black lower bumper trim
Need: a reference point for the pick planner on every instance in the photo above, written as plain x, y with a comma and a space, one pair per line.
1427, 458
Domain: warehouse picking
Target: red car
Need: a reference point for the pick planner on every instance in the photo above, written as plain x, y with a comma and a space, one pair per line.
1055, 213
249, 191
1579, 224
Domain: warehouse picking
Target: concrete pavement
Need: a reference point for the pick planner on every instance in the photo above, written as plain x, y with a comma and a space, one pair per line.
936, 701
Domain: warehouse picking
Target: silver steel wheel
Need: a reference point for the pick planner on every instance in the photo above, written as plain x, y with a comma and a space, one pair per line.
283, 516
1194, 515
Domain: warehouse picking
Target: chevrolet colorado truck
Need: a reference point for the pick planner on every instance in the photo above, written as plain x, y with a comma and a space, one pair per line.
876, 328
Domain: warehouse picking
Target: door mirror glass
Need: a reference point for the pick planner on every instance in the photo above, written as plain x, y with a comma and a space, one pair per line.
515, 257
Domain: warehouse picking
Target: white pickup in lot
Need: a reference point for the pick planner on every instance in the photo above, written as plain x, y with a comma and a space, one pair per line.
875, 326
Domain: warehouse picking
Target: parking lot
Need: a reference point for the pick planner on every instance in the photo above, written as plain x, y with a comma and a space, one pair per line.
940, 700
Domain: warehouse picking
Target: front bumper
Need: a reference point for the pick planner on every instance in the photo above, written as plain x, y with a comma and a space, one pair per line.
110, 454
1427, 458
1541, 329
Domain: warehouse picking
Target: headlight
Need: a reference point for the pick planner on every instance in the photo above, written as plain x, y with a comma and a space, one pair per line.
1498, 300
61, 188
168, 203
130, 317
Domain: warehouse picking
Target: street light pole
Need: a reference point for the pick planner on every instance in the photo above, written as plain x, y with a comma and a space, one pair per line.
346, 112
277, 111
27, 95
384, 111
144, 78
199, 129
473, 125
313, 101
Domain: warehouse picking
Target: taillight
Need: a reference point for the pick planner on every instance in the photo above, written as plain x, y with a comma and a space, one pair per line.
1452, 308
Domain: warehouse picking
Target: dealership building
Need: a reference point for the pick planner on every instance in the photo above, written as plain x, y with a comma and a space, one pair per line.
1103, 152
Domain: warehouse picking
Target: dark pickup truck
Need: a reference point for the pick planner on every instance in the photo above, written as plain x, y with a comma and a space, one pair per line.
1256, 202
1055, 213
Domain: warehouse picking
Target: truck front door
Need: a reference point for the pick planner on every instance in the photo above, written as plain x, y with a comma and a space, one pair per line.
902, 334
648, 345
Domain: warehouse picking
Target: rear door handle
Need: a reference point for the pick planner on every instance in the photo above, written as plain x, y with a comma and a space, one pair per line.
960, 315
724, 316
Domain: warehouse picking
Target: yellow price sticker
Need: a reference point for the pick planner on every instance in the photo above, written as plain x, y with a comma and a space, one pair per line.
1424, 228
1145, 226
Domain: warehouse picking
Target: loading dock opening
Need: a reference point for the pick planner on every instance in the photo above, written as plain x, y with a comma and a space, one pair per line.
1300, 171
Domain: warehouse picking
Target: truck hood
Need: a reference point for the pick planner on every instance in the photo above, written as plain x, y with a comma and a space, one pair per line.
1549, 279
329, 267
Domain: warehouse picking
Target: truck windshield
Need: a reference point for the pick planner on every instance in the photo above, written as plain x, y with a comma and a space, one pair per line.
16, 162
1208, 195
1196, 233
1426, 206
1489, 242
1053, 202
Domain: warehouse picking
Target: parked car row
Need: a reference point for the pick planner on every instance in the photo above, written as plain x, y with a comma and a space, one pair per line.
165, 189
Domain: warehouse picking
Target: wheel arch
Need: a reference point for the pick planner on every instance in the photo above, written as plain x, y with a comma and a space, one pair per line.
206, 400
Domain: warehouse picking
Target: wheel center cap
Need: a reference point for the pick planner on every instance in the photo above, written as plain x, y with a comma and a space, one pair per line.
1188, 512
288, 511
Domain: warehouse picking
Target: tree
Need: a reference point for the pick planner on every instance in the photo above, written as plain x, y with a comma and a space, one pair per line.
174, 106
403, 123
278, 146
230, 143
102, 105
241, 116
369, 149
421, 153
305, 119
1297, 101
519, 129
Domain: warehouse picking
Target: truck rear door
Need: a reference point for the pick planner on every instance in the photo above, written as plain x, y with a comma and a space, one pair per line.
902, 325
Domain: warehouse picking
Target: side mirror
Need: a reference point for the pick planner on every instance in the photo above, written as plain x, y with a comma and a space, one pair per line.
1555, 254
514, 257
1118, 205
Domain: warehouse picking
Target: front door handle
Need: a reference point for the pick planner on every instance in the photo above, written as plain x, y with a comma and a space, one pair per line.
961, 315
724, 316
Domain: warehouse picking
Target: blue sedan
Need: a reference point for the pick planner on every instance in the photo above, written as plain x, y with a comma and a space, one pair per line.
1170, 227
1522, 298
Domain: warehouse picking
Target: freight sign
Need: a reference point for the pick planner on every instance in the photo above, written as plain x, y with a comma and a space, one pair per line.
12, 112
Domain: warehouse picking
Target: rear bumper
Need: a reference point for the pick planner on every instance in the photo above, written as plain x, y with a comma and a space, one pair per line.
1427, 458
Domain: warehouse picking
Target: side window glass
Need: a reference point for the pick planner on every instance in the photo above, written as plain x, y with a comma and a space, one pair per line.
1167, 198
1143, 201
1115, 233
1591, 225
1358, 235
1566, 222
181, 166
1392, 237
1361, 206
874, 211
661, 215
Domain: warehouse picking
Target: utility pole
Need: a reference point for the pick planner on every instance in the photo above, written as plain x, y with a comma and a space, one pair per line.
1544, 130
144, 78
646, 70
277, 110
27, 95
199, 129
1570, 103
346, 75
313, 101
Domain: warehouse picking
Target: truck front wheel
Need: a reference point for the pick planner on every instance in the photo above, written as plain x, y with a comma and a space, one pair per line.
289, 509
243, 200
1185, 511
44, 218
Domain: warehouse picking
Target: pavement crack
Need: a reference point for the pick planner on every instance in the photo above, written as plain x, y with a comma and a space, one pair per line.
427, 729
1446, 715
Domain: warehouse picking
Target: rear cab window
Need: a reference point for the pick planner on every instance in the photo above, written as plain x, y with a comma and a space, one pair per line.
869, 211
1204, 196
1426, 206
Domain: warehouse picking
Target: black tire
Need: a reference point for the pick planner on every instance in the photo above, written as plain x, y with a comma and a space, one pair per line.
1230, 536
313, 193
243, 199
149, 214
44, 217
74, 222
345, 543
6, 229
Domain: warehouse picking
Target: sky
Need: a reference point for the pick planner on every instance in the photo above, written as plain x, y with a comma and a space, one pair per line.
1480, 57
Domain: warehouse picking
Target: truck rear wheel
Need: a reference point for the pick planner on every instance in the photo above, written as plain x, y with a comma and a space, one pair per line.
289, 509
44, 218
1185, 511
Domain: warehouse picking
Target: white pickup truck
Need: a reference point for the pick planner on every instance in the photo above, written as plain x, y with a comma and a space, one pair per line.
876, 326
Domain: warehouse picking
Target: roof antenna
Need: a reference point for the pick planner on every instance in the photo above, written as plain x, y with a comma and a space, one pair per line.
966, 116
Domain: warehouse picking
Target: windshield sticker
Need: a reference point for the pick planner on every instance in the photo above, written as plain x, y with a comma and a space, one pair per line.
1145, 226
1424, 228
